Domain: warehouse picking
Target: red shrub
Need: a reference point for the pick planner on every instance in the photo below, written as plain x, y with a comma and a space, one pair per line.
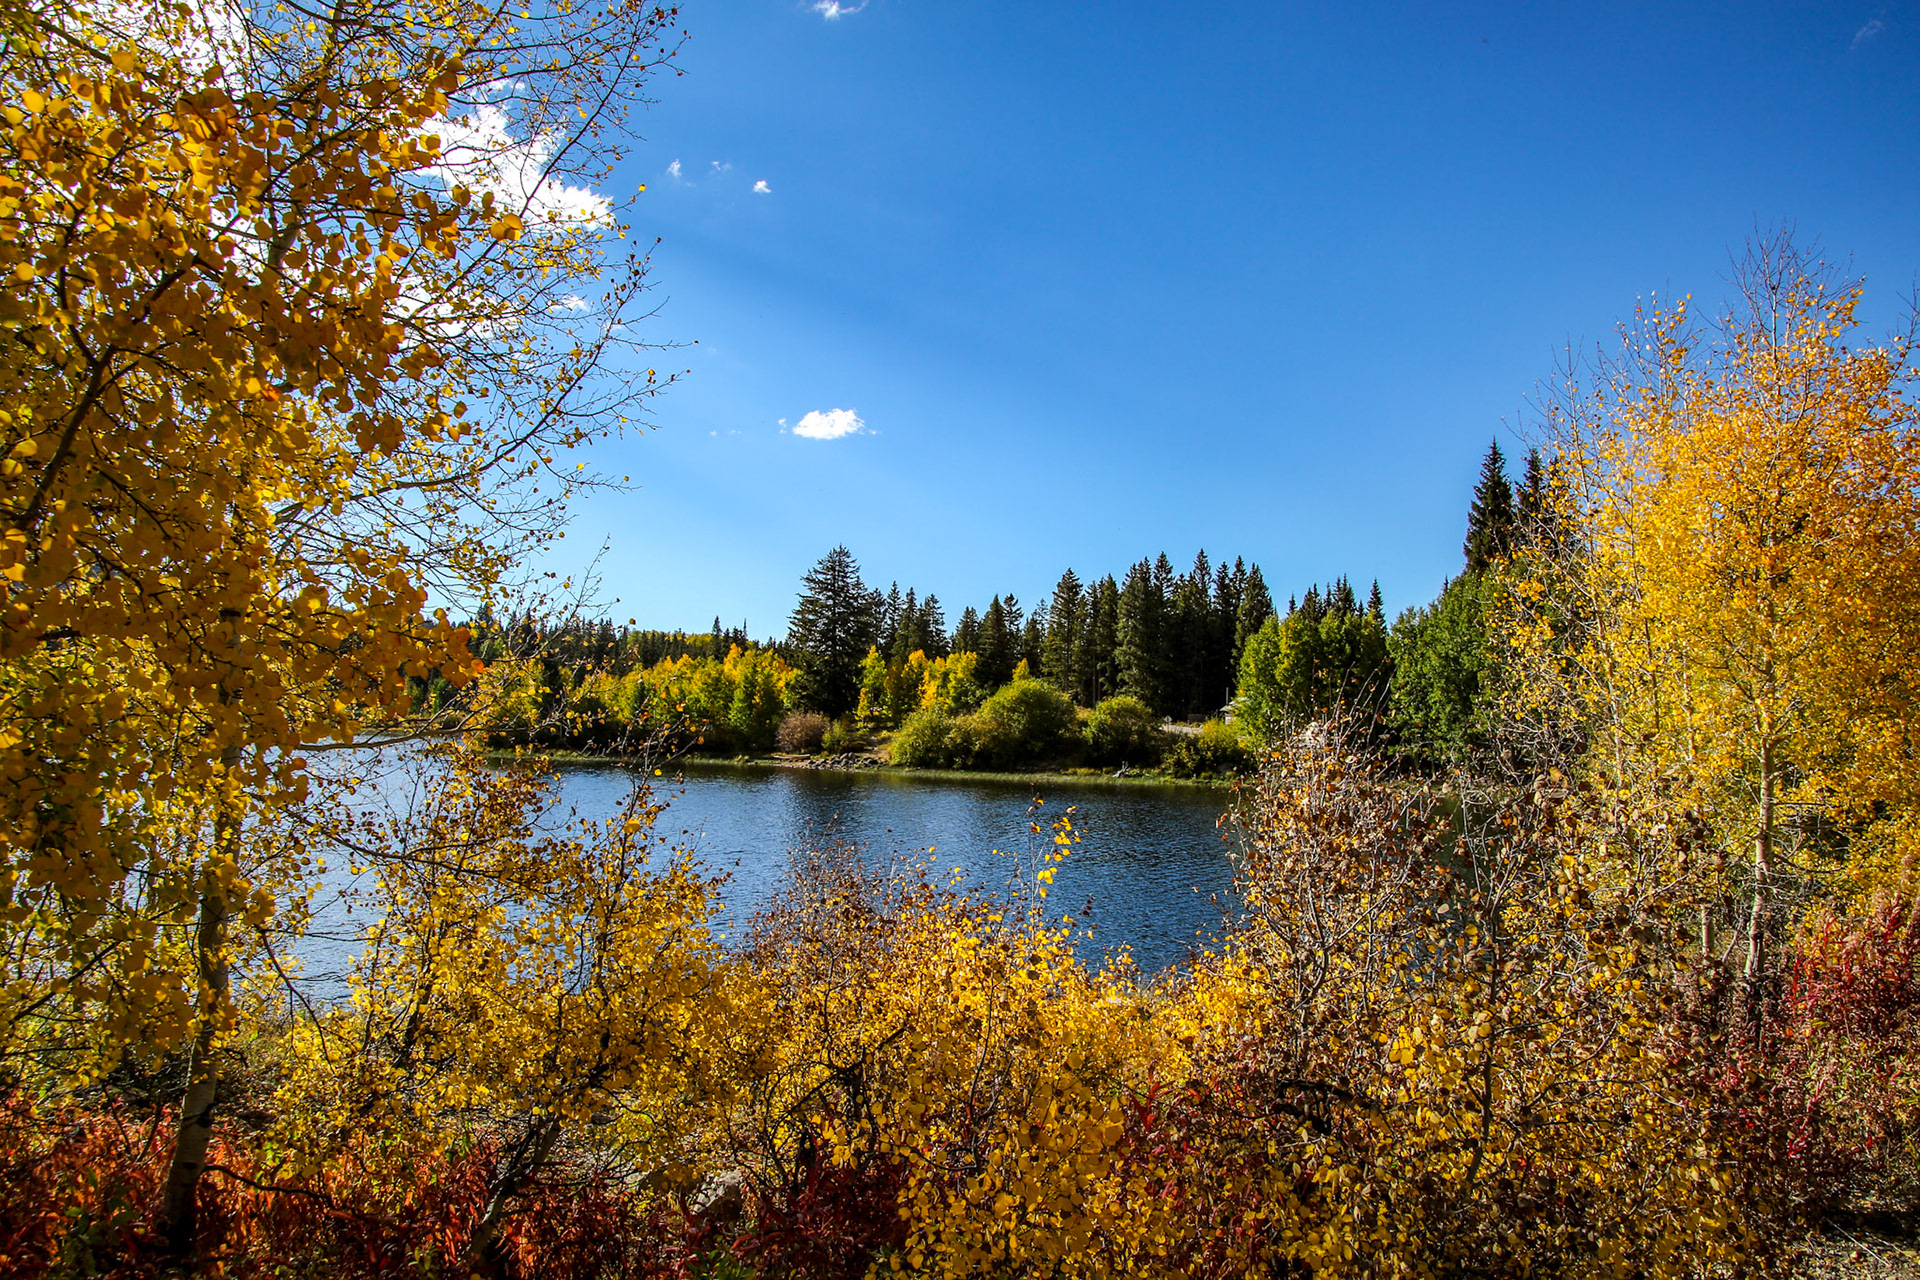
77, 1188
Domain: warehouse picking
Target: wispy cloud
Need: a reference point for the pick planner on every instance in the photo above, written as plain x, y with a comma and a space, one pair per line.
1868, 32
673, 171
833, 10
761, 188
718, 168
828, 425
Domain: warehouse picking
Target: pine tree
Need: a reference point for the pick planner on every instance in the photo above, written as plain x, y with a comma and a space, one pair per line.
1340, 599
1376, 607
1225, 611
1190, 647
1538, 515
1490, 519
1163, 577
1140, 654
1530, 495
832, 627
997, 644
1065, 622
910, 633
1095, 662
966, 632
1256, 606
933, 628
892, 614
1033, 642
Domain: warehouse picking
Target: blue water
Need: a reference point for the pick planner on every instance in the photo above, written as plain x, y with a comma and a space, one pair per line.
1151, 870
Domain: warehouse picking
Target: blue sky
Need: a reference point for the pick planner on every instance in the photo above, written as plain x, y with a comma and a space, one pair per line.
1105, 280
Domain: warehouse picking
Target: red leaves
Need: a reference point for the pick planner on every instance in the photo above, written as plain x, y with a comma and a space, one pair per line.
829, 1224
76, 1187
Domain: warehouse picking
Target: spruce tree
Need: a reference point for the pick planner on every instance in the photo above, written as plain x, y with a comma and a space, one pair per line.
909, 633
892, 611
933, 628
832, 627
1538, 515
1190, 639
1140, 654
1490, 519
1376, 607
1033, 642
997, 644
1064, 626
1340, 599
1256, 606
966, 632
1227, 583
1094, 663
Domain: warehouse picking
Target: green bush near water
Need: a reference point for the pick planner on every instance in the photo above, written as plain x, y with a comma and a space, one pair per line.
1217, 750
1124, 730
1026, 723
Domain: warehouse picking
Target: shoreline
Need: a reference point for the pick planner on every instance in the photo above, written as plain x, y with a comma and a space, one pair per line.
879, 770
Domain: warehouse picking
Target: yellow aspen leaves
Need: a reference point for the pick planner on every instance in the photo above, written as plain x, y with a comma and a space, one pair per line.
228, 467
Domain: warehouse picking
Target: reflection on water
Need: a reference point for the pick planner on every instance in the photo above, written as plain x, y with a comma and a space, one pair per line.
1151, 871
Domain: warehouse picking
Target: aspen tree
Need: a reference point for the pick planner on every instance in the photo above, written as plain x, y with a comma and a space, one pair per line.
1747, 502
301, 311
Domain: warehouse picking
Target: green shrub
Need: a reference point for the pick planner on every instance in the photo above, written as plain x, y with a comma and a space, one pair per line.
1217, 750
1026, 722
924, 740
842, 735
1124, 730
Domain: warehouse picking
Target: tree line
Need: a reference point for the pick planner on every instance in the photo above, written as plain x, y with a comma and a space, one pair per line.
1172, 640
1201, 643
1205, 644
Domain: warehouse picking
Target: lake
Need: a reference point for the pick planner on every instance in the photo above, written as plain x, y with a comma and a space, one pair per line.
1151, 871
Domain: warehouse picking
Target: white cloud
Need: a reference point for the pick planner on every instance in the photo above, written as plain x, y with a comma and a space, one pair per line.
673, 171
761, 188
205, 34
830, 425
833, 10
479, 150
719, 168
1868, 32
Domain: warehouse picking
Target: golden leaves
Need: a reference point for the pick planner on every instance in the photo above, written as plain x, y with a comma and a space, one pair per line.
225, 470
1750, 517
